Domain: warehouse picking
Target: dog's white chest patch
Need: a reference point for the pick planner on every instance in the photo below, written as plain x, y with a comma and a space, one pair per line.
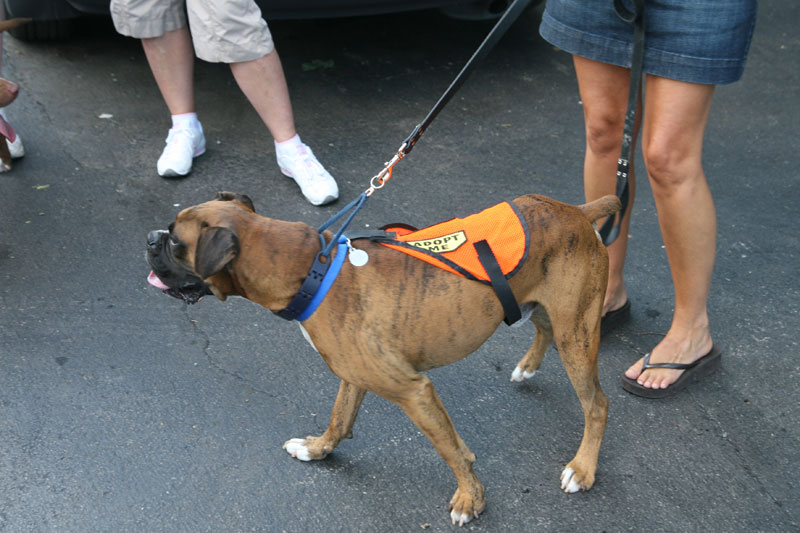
307, 336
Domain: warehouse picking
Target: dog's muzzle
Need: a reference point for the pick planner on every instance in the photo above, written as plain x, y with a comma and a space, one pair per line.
168, 274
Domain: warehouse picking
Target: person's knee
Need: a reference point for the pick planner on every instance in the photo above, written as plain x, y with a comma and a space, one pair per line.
603, 133
669, 164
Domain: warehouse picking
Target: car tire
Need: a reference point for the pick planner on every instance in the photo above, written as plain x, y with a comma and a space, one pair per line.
43, 30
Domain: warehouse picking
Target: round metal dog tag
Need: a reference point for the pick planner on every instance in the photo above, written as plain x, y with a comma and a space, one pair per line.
358, 257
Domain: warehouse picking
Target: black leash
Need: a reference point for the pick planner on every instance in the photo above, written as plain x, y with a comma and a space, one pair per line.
322, 261
611, 227
494, 36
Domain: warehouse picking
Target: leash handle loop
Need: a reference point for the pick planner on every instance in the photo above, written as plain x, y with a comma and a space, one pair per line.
626, 14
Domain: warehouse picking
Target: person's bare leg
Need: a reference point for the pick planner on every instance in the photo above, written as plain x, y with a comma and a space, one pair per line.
604, 92
263, 83
171, 59
672, 141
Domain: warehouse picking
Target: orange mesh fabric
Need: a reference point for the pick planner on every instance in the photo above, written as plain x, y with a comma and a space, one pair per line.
450, 245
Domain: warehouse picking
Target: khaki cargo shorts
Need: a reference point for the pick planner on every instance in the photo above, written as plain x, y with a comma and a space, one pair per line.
222, 32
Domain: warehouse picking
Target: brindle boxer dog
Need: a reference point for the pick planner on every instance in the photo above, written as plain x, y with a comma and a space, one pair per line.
224, 247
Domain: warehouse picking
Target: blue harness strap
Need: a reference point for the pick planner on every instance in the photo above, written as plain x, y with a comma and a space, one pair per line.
324, 271
327, 281
317, 284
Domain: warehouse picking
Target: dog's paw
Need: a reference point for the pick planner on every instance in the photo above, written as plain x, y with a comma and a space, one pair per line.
572, 482
297, 448
463, 507
307, 449
4, 167
461, 518
520, 375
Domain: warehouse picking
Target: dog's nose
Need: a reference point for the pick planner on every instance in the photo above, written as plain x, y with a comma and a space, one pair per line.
154, 238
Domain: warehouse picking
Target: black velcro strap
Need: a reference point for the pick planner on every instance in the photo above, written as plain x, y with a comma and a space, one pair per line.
499, 282
371, 234
307, 291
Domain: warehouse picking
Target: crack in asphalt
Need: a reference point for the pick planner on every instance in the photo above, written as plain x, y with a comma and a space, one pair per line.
216, 365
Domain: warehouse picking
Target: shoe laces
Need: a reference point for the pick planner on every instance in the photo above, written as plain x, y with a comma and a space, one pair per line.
305, 161
180, 141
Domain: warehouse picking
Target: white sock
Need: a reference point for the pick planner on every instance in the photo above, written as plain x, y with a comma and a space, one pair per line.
289, 145
186, 120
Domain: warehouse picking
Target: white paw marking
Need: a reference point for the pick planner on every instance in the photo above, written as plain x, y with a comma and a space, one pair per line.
568, 484
297, 449
4, 167
459, 518
521, 375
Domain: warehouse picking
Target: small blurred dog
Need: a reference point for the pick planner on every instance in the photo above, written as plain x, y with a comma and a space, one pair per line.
8, 92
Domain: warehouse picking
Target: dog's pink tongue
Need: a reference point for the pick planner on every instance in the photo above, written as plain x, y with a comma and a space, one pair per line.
153, 280
7, 131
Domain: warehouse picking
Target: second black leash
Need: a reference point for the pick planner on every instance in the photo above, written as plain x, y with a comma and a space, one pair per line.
611, 227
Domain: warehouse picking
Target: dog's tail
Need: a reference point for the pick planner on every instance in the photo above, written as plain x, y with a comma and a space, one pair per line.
10, 24
602, 207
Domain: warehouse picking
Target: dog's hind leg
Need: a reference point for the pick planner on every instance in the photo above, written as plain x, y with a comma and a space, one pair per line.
578, 346
419, 401
530, 362
343, 416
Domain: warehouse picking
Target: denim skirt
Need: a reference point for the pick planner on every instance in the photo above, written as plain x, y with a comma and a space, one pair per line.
698, 41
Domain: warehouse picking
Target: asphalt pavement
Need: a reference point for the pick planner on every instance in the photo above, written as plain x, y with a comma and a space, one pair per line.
124, 410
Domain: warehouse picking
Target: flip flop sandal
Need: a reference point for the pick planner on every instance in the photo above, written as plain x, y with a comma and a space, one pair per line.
691, 372
615, 318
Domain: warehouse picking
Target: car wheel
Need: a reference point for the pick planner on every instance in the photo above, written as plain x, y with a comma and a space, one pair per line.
43, 30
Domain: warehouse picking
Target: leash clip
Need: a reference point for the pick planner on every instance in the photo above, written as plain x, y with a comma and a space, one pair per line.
378, 181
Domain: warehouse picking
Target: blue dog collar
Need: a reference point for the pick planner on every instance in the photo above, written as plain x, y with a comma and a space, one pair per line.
327, 281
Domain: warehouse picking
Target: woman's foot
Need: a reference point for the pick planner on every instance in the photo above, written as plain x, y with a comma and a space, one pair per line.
676, 347
614, 305
616, 295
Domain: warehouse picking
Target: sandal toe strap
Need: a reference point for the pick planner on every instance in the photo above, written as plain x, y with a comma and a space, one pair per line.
671, 366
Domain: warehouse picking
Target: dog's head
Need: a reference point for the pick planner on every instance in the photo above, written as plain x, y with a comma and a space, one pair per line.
191, 258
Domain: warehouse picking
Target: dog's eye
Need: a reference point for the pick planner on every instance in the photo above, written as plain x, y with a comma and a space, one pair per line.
178, 249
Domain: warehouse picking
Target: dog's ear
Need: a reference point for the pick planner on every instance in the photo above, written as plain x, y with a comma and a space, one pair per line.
243, 199
216, 247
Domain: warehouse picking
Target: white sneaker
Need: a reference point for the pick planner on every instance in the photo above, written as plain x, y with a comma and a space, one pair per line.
316, 184
16, 148
183, 145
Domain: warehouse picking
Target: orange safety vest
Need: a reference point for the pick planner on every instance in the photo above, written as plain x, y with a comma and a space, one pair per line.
450, 245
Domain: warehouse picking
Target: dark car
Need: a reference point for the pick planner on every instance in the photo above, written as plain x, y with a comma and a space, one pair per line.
52, 19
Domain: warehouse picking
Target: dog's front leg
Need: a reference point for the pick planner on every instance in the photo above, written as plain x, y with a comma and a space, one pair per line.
419, 401
345, 409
